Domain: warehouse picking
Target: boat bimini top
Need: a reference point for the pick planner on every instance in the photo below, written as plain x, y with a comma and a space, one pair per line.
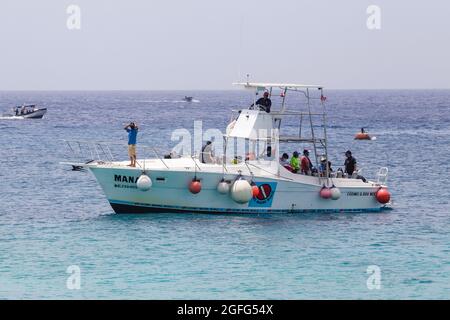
263, 85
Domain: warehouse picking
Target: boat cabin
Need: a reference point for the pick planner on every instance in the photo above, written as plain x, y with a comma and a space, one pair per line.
24, 109
297, 116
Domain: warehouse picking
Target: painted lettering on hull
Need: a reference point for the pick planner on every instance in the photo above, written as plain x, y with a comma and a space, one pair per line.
126, 182
361, 194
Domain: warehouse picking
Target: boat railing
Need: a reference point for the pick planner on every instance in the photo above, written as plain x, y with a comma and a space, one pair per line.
277, 175
154, 151
87, 151
282, 113
194, 158
382, 176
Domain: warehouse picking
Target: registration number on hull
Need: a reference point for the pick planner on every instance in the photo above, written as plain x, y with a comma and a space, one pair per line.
361, 194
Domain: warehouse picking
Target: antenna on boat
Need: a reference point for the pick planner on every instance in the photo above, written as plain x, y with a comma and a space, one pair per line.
240, 48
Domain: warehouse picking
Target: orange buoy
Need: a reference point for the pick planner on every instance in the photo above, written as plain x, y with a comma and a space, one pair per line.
383, 195
325, 193
362, 136
195, 186
255, 191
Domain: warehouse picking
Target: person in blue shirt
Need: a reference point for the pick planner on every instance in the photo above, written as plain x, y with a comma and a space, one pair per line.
323, 167
132, 130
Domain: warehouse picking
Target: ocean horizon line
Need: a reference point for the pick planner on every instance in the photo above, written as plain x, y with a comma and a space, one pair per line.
211, 90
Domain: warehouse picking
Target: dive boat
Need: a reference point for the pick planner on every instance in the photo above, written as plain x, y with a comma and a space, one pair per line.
27, 112
252, 183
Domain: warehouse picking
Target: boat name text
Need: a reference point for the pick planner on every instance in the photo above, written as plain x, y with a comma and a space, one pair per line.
360, 194
125, 179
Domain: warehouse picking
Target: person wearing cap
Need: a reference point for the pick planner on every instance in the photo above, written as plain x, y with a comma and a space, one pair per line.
306, 163
350, 163
323, 167
295, 164
264, 102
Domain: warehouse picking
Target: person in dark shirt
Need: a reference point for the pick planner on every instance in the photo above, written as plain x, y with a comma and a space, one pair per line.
350, 163
264, 102
207, 155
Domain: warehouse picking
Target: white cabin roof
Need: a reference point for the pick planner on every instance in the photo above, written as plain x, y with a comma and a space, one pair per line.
252, 124
275, 85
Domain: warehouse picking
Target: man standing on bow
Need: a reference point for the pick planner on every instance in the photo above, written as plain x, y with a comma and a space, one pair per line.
132, 130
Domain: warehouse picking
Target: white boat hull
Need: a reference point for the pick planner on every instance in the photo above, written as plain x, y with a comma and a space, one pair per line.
170, 193
38, 114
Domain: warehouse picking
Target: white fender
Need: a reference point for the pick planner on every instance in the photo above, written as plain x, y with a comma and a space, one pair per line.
241, 191
335, 193
223, 187
144, 182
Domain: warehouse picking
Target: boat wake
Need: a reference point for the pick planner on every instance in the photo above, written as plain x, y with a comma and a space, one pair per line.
11, 118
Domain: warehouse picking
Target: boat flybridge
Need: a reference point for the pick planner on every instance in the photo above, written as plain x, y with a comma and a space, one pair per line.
248, 176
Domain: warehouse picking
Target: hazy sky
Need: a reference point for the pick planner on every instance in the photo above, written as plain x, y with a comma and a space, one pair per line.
207, 44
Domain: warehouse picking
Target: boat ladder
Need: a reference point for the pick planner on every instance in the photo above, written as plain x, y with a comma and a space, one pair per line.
382, 175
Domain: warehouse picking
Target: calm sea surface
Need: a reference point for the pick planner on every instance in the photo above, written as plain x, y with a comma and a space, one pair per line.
52, 218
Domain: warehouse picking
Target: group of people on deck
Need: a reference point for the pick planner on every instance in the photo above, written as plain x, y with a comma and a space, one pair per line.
20, 111
303, 164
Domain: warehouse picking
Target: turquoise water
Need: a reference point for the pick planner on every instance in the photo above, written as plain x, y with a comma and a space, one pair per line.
52, 218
